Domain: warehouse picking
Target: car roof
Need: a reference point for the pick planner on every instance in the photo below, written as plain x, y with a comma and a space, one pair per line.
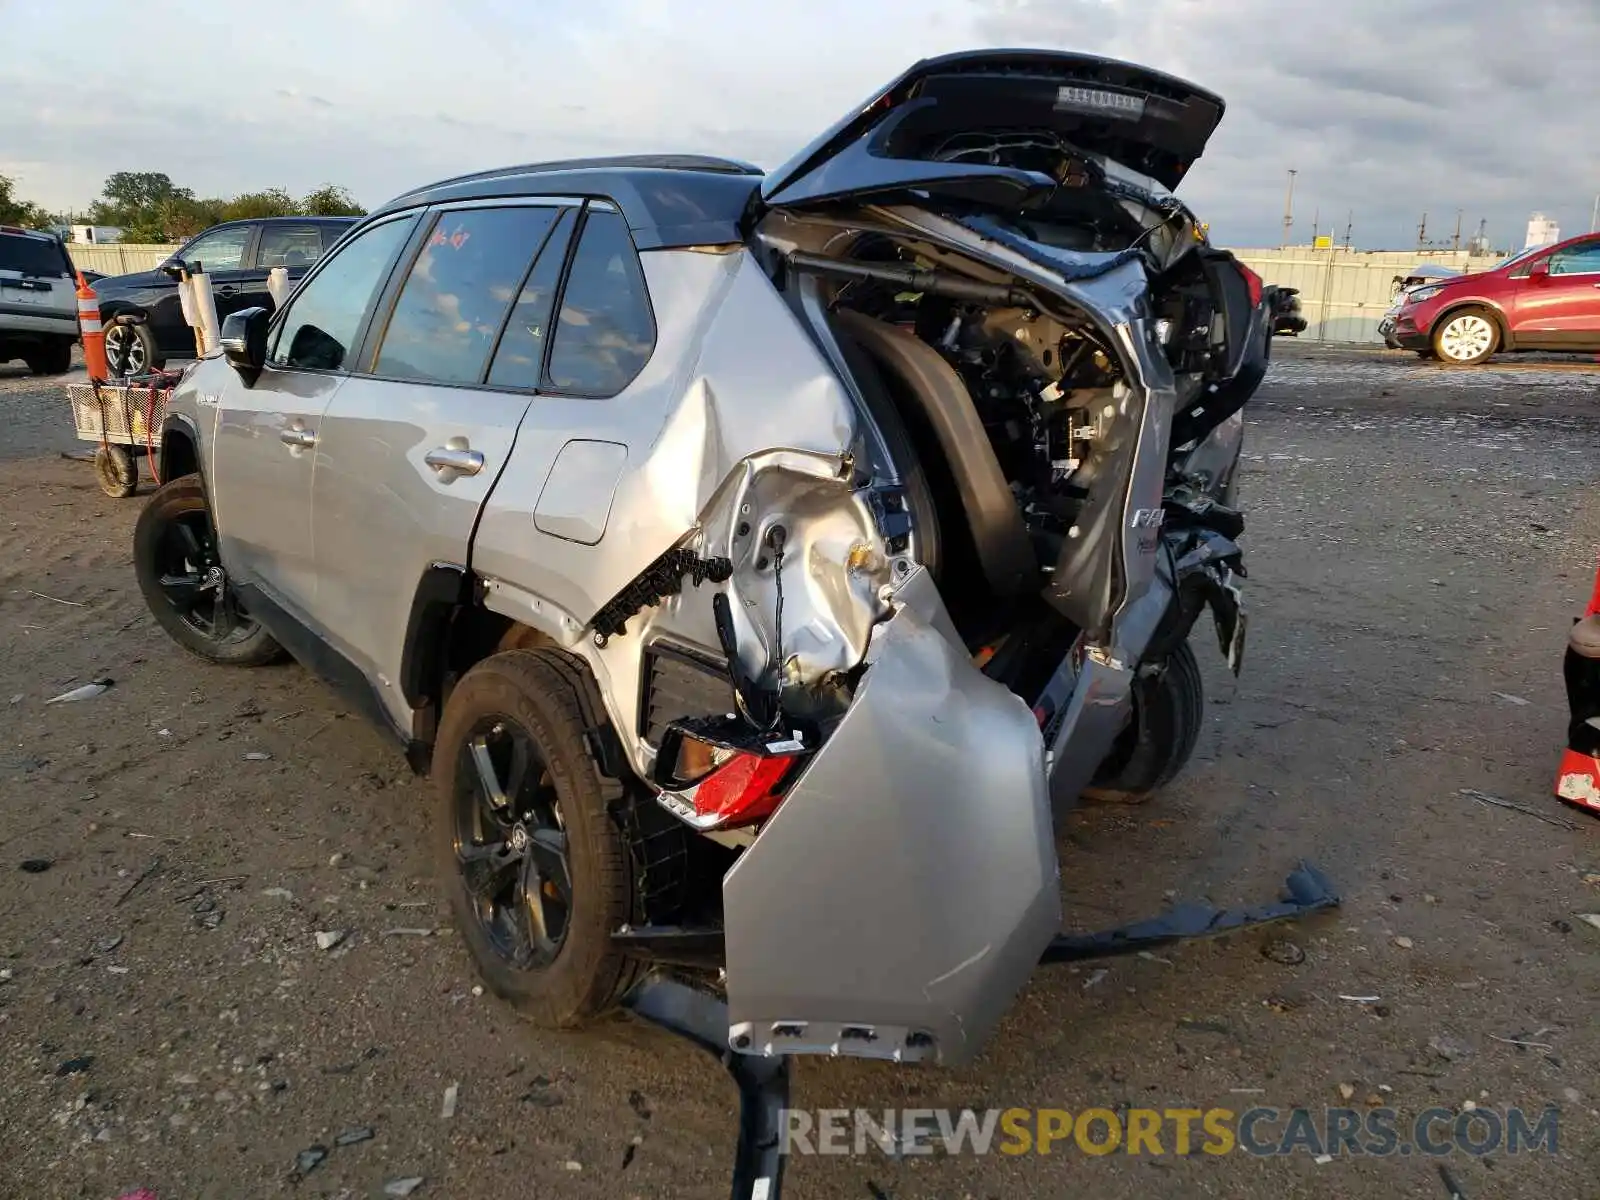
19, 231
668, 200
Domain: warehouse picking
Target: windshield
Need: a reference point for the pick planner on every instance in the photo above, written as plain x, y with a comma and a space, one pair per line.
39, 258
1518, 257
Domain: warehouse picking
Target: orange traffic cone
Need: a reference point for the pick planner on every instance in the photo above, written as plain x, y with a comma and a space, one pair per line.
1578, 776
94, 338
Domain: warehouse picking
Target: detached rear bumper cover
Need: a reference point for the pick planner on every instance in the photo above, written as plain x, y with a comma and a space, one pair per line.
904, 891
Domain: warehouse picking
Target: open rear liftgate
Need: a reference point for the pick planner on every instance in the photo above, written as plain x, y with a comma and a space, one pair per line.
763, 1082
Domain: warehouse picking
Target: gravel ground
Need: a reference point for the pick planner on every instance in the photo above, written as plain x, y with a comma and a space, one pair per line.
1419, 541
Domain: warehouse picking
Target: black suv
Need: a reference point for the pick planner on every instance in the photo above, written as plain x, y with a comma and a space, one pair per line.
237, 256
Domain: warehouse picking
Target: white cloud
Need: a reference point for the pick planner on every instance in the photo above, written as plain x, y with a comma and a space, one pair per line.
1385, 108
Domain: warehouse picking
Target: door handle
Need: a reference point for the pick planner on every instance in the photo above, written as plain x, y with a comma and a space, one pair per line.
457, 459
300, 439
227, 289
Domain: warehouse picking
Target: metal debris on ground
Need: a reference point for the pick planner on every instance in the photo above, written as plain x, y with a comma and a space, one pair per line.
107, 944
402, 1187
1592, 919
1361, 999
87, 692
1450, 1185
327, 939
409, 931
1497, 802
352, 1137
310, 1159
258, 756
74, 1066
448, 1108
1510, 699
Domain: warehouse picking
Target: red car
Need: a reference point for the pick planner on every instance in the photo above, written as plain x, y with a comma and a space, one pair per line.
1546, 298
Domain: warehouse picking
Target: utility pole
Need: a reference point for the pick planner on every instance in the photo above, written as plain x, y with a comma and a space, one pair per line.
1455, 242
1349, 224
1422, 233
1316, 223
1288, 208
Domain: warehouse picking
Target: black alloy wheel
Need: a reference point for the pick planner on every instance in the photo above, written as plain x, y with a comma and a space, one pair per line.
511, 843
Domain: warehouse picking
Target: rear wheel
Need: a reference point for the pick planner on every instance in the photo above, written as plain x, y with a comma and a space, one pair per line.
131, 349
1466, 338
1168, 706
532, 861
54, 359
181, 576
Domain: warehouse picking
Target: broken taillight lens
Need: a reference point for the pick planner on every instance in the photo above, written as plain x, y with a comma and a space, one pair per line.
719, 773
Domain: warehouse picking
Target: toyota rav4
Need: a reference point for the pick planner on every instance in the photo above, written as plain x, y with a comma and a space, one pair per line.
756, 562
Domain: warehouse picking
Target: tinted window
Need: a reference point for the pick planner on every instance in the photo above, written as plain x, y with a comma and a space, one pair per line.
219, 251
288, 246
1582, 259
605, 332
458, 293
520, 356
31, 256
321, 321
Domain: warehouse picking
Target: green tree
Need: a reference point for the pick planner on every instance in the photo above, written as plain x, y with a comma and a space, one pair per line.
14, 211
273, 202
133, 199
331, 201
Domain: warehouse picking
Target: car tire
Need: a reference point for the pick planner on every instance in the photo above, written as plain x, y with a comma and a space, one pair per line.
54, 359
1168, 708
1466, 337
117, 471
174, 555
131, 349
533, 862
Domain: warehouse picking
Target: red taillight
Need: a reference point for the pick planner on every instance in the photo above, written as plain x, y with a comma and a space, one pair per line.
720, 773
739, 792
1594, 600
1252, 281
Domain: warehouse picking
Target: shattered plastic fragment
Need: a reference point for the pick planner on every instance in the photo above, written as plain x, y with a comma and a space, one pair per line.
87, 692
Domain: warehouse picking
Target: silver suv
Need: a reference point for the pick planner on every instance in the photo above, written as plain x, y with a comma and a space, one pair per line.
754, 561
38, 301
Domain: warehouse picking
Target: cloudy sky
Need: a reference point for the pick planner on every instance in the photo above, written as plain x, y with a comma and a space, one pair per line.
1386, 107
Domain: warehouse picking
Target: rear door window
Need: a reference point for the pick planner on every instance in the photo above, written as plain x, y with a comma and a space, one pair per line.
519, 359
606, 330
320, 324
288, 246
456, 298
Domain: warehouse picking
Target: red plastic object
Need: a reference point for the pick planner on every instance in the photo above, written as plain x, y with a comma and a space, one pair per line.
1578, 780
740, 791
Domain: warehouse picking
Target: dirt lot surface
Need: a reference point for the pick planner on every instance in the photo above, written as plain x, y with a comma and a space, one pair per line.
1419, 541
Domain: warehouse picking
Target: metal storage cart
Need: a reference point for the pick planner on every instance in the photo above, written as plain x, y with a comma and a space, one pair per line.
125, 420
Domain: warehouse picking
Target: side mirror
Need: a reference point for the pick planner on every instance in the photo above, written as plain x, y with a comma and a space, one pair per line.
244, 342
172, 268
1539, 272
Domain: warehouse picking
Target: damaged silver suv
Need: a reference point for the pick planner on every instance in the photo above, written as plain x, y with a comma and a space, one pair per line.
754, 561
